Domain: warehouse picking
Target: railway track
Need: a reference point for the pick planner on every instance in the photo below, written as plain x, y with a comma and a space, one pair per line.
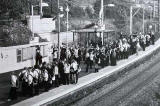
131, 85
137, 88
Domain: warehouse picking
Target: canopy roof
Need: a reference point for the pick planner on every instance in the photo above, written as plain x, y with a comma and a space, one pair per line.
90, 30
93, 28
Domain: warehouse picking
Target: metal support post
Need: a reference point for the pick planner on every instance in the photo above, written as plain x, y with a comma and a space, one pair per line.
67, 10
131, 23
58, 32
32, 22
143, 19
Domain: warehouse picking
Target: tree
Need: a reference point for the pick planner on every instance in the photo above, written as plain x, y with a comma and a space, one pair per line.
90, 12
10, 9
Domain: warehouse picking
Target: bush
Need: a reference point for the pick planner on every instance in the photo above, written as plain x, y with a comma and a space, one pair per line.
14, 34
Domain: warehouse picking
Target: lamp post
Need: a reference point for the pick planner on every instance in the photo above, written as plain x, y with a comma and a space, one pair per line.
131, 19
67, 10
95, 32
32, 23
101, 17
41, 12
143, 19
102, 20
58, 31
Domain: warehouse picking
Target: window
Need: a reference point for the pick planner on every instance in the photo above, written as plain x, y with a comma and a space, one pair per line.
19, 55
43, 50
27, 53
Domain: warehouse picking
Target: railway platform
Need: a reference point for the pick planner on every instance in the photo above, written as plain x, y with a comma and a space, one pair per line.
62, 94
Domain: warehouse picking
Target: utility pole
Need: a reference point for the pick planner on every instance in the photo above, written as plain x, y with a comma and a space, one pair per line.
67, 10
154, 14
131, 23
158, 16
102, 21
58, 31
32, 22
154, 3
143, 19
51, 5
41, 13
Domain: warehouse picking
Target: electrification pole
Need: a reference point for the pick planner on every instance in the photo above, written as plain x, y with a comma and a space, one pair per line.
67, 10
158, 16
143, 19
41, 13
102, 21
32, 22
58, 31
131, 23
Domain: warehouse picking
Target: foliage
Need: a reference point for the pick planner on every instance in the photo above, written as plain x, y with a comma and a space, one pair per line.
90, 12
15, 34
11, 10
77, 12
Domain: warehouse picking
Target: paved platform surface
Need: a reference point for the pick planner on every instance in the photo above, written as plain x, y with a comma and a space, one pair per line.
85, 80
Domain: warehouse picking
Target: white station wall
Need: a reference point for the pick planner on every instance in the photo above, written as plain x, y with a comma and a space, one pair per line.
41, 25
8, 57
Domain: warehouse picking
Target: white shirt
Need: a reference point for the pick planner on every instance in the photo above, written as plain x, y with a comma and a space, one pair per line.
30, 77
76, 53
25, 77
87, 55
53, 78
13, 80
55, 56
56, 70
22, 72
45, 75
91, 57
36, 73
66, 68
74, 65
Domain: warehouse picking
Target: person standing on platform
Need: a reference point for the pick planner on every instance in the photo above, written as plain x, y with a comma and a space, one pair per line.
87, 61
107, 58
74, 65
36, 76
77, 73
147, 40
67, 72
61, 72
55, 55
97, 59
113, 57
23, 81
14, 86
56, 73
76, 54
38, 57
152, 38
91, 58
45, 79
142, 41
30, 83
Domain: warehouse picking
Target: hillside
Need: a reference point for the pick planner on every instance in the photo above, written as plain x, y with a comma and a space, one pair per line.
84, 2
85, 10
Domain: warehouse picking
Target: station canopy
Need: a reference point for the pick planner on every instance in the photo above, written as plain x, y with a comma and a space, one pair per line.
92, 30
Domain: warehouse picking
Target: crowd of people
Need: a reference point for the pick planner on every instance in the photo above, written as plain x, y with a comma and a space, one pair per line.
44, 76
